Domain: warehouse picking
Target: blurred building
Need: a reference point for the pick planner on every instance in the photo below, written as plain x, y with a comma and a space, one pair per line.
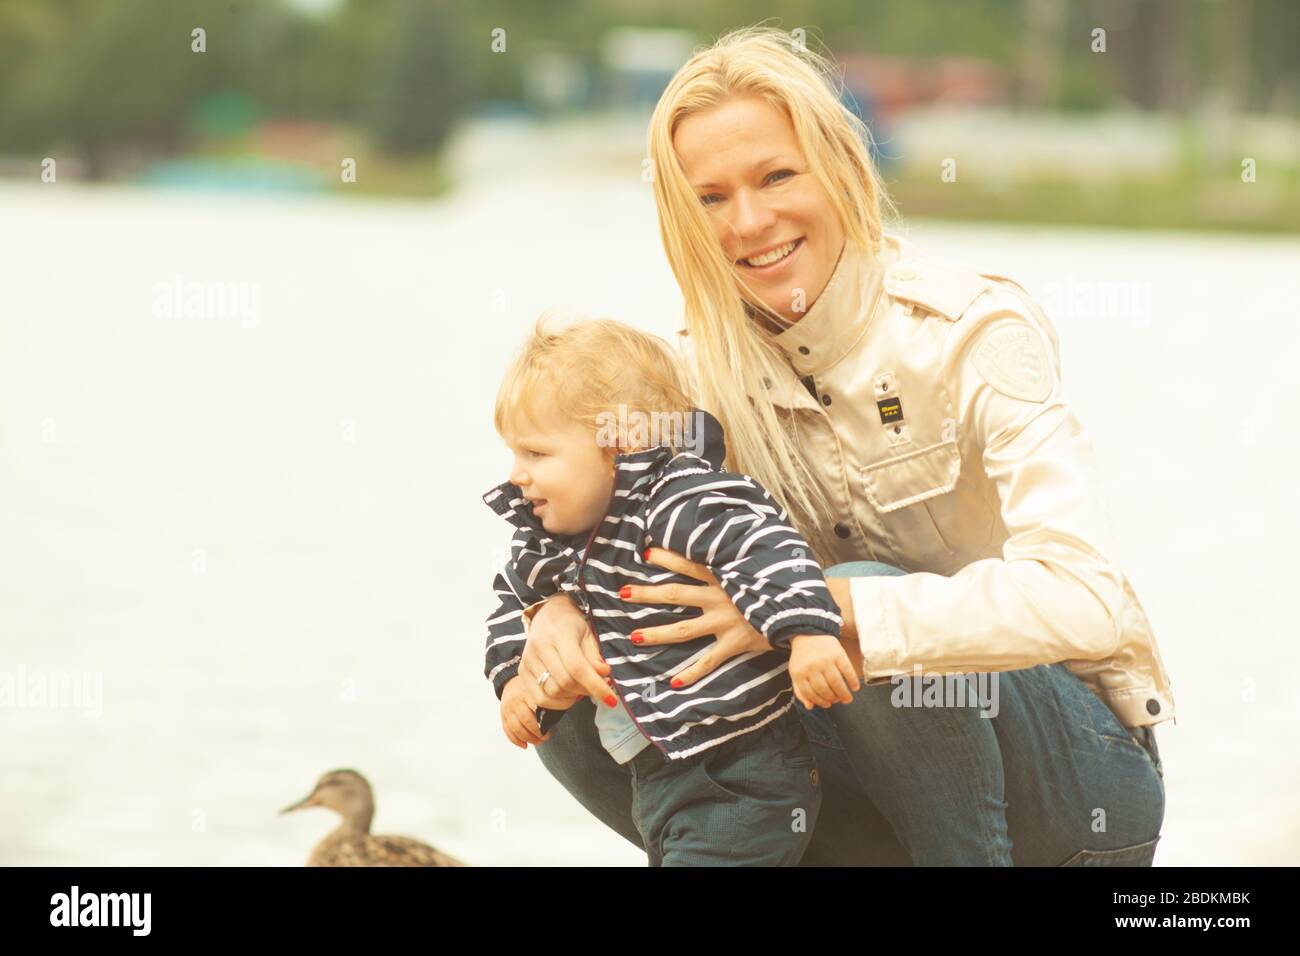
639, 62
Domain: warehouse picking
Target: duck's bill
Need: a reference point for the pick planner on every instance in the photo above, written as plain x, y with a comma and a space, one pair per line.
304, 802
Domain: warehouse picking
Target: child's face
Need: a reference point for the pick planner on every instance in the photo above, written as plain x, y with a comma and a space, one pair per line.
559, 466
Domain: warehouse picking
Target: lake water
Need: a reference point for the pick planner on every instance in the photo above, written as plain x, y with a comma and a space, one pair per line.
260, 525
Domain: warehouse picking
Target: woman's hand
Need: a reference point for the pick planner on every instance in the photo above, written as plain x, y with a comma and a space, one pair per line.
719, 616
561, 643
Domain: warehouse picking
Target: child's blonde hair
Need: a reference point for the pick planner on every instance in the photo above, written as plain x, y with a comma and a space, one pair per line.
587, 368
733, 353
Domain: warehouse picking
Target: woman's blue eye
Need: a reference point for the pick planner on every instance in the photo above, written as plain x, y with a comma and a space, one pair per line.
712, 198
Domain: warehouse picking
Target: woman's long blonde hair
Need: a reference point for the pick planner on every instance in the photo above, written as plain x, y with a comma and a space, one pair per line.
733, 352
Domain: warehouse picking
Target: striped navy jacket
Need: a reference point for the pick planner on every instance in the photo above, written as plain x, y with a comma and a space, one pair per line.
687, 504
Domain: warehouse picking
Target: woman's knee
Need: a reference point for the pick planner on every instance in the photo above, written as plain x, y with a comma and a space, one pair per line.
573, 746
862, 569
897, 716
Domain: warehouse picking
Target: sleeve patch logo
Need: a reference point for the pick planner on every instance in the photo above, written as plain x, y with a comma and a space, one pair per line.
1013, 360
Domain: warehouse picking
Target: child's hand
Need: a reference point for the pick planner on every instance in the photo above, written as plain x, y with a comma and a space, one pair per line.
518, 719
820, 671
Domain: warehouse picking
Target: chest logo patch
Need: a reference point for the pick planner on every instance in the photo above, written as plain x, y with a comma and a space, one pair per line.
891, 410
1012, 359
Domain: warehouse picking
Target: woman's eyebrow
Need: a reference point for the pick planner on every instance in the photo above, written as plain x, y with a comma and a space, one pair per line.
758, 165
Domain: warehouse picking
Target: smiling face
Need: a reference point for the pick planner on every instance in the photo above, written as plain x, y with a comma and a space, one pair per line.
774, 221
560, 468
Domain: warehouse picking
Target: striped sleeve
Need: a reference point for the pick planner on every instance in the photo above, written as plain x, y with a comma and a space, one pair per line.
518, 586
729, 523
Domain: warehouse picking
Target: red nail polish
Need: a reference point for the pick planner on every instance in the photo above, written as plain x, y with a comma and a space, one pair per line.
625, 591
611, 700
677, 682
637, 637
647, 554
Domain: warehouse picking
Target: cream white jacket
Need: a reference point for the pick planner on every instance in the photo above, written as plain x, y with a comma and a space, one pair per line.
944, 440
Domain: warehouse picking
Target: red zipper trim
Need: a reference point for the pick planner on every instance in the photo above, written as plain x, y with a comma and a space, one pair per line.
592, 623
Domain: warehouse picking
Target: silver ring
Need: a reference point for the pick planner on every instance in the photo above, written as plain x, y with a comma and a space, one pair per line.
541, 681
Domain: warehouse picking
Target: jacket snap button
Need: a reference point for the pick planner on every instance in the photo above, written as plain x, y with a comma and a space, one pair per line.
842, 530
803, 350
1153, 707
812, 776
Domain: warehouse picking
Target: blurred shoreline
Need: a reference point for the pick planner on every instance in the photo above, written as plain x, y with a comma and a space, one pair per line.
1117, 170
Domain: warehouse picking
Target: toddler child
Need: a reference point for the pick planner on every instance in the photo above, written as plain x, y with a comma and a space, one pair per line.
722, 771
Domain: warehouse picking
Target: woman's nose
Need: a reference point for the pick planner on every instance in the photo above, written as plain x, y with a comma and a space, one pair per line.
753, 217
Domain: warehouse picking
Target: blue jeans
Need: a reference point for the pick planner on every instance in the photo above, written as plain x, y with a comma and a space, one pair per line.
1053, 779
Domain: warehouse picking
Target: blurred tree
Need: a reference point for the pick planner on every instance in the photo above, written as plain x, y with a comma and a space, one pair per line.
326, 67
1275, 56
423, 93
115, 75
103, 77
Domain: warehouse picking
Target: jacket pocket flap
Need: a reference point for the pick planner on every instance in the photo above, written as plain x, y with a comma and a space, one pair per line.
913, 477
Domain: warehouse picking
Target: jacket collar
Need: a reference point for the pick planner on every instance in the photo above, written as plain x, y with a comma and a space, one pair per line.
842, 312
702, 435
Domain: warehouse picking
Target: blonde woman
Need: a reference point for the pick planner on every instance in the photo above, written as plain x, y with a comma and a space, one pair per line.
910, 416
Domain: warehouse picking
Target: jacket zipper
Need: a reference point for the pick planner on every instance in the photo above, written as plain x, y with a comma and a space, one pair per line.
586, 609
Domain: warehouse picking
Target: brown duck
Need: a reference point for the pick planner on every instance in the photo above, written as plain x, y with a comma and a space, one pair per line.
348, 794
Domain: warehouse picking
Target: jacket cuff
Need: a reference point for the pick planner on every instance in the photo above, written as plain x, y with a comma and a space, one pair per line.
546, 719
781, 635
503, 677
879, 637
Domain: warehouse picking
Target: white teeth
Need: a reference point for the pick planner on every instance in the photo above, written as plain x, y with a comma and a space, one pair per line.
769, 257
